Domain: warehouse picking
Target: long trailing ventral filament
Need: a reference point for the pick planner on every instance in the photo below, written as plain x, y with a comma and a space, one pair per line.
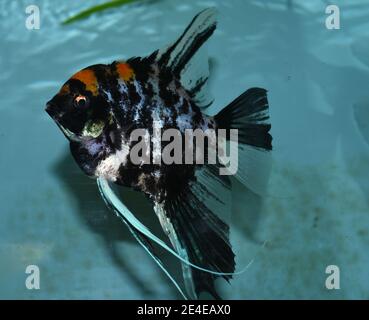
121, 210
141, 239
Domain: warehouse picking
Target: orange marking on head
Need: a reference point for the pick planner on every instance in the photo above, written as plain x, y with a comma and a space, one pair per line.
64, 89
125, 72
88, 77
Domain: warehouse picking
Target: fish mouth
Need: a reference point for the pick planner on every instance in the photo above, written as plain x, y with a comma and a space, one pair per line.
69, 134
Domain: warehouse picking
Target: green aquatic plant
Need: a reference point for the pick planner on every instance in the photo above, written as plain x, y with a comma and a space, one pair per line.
98, 8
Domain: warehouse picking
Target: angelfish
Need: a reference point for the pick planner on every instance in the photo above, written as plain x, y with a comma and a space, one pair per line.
98, 108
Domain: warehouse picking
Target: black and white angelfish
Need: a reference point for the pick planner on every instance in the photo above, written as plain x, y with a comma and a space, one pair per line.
99, 107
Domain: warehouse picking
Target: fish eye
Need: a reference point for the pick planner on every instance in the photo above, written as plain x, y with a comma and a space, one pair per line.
80, 101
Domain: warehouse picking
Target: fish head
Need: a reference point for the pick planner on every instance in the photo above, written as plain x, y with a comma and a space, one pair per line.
78, 109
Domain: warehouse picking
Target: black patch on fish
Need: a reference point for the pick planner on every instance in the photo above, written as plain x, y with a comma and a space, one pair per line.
128, 175
142, 67
134, 97
197, 117
169, 97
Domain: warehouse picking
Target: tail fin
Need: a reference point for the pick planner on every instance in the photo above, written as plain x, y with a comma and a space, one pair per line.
185, 61
249, 114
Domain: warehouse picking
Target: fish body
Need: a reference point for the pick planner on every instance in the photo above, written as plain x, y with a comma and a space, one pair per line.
122, 97
100, 106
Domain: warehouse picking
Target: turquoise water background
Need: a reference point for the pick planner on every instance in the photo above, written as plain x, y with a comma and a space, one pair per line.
316, 213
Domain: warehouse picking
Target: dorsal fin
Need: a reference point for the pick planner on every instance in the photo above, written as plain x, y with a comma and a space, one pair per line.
184, 59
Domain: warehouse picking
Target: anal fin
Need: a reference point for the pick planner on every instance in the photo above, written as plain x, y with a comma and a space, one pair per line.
198, 234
